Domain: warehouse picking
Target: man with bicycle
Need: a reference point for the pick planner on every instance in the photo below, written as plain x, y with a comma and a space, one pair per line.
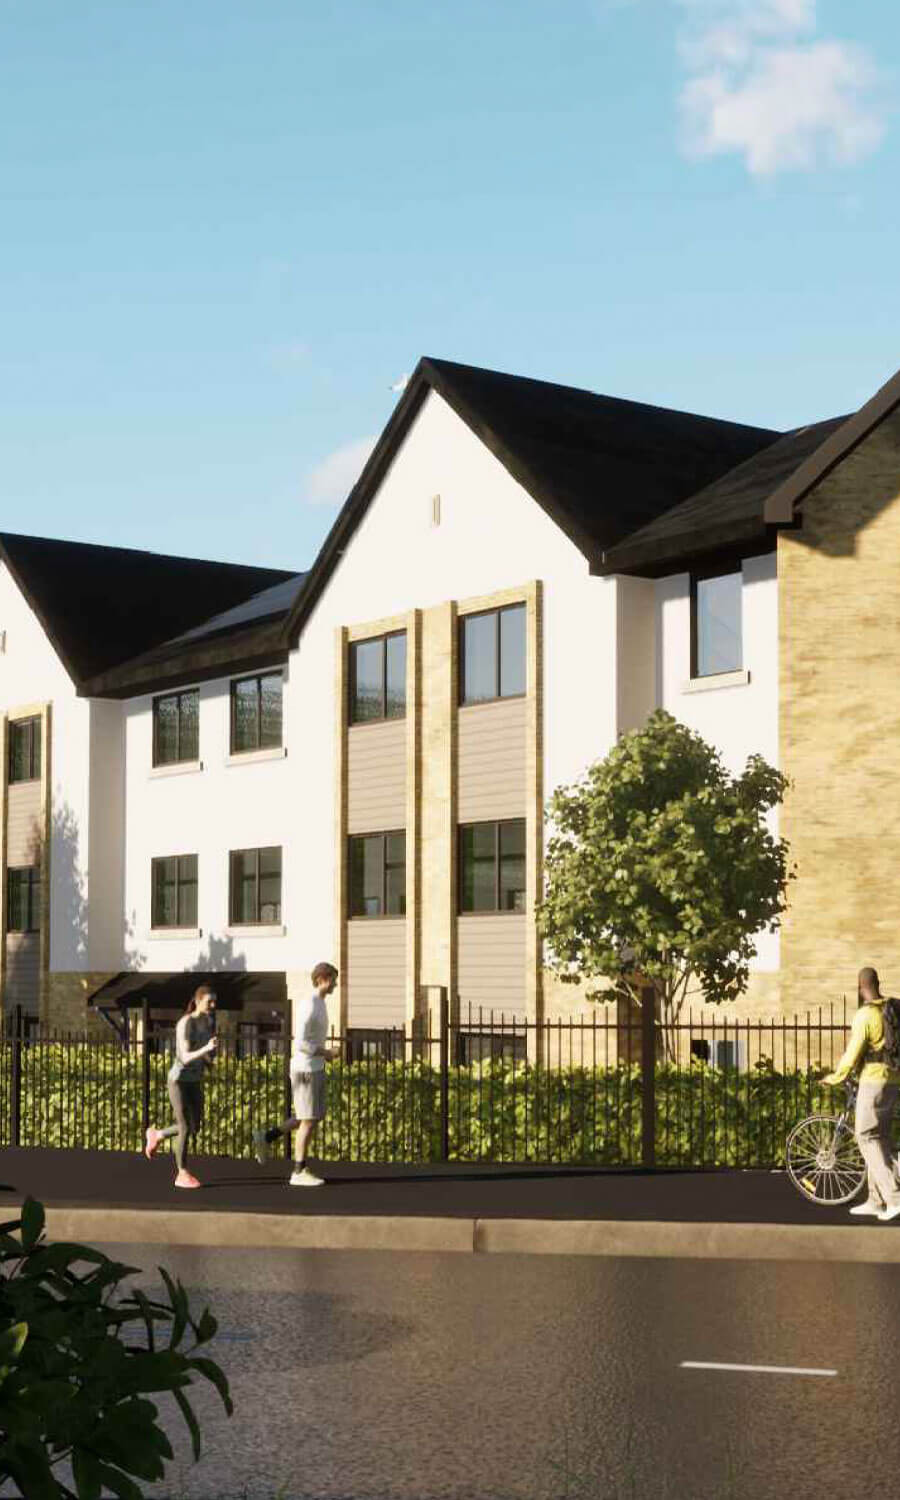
875, 1044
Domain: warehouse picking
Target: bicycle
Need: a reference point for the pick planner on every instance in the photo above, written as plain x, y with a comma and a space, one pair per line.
822, 1158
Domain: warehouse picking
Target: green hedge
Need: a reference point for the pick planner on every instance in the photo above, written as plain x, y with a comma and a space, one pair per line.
90, 1096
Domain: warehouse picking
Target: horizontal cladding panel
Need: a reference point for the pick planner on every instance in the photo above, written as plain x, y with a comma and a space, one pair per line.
376, 972
23, 814
23, 969
491, 761
491, 964
376, 777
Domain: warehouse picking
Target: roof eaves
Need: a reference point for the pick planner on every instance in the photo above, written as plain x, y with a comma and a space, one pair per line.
650, 559
214, 657
43, 618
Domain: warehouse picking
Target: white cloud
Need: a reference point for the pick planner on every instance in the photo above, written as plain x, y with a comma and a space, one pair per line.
763, 84
331, 481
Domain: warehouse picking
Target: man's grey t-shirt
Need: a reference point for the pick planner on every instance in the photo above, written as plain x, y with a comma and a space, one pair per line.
312, 1032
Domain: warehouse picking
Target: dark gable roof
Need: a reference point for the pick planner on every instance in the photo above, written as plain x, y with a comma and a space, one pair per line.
600, 467
102, 606
729, 513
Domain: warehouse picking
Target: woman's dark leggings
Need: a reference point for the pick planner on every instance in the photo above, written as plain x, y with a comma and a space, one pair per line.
187, 1105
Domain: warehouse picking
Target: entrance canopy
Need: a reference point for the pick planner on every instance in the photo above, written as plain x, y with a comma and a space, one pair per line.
171, 990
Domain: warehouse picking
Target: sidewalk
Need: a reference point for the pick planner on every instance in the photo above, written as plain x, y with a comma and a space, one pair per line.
119, 1197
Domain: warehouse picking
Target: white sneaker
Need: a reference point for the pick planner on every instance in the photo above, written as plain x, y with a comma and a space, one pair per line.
869, 1207
261, 1147
892, 1212
306, 1178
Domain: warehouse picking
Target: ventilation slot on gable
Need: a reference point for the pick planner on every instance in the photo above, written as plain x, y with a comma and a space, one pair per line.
435, 510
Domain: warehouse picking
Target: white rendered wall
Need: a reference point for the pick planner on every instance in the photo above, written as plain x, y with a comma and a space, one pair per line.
741, 720
32, 673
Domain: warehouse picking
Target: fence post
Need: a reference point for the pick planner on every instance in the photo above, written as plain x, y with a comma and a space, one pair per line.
288, 1091
648, 1077
145, 1065
15, 1123
445, 1075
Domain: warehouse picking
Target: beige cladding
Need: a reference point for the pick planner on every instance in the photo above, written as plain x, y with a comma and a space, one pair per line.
376, 776
491, 762
23, 823
376, 971
491, 970
839, 634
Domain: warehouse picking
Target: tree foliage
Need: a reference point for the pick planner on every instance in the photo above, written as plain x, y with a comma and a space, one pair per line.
661, 869
78, 1363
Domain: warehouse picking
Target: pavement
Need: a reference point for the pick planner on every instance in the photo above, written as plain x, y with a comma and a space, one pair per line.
732, 1214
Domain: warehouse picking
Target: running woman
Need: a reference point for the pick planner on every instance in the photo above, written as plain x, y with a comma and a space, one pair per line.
195, 1047
307, 1079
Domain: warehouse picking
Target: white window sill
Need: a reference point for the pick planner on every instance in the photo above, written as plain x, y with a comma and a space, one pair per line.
252, 931
179, 768
172, 934
248, 757
716, 680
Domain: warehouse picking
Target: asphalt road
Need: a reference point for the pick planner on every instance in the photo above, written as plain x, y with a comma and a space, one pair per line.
361, 1376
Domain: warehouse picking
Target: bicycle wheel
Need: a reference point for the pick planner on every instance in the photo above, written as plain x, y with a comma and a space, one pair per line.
823, 1160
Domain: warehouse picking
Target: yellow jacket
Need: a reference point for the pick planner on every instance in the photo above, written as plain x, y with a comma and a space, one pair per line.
866, 1032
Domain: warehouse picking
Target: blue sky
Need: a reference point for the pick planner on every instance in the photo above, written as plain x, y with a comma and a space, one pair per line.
229, 228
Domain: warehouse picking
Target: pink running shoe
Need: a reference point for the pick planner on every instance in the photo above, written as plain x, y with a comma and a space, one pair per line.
186, 1180
153, 1138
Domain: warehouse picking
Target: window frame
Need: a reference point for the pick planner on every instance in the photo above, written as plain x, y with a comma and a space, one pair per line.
32, 899
36, 737
254, 1035
233, 920
368, 640
179, 760
495, 1053
497, 910
389, 1043
497, 611
177, 925
703, 575
256, 677
383, 915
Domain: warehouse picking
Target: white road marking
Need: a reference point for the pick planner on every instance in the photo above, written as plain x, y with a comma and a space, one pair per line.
696, 1364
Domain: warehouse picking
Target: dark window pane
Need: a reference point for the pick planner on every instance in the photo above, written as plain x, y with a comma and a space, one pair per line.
165, 893
479, 658
270, 885
478, 859
270, 695
367, 677
187, 890
512, 838
24, 750
15, 905
512, 651
719, 625
395, 848
243, 886
34, 921
395, 874
366, 871
166, 726
512, 883
35, 749
245, 699
189, 728
395, 649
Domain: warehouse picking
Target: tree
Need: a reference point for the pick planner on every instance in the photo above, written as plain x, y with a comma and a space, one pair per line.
70, 1387
661, 870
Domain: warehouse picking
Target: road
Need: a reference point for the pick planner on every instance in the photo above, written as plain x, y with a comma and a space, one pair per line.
393, 1376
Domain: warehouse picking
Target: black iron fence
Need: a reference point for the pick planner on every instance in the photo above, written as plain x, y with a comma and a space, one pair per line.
614, 1089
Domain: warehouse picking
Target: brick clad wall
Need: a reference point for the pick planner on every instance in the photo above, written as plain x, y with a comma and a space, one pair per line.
839, 633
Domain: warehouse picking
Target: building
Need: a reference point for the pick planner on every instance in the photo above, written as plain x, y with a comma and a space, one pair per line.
353, 762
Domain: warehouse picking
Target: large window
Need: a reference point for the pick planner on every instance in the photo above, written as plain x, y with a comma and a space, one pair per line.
386, 1044
25, 749
176, 728
716, 625
256, 713
477, 1046
23, 899
255, 897
492, 866
378, 678
492, 655
174, 891
378, 875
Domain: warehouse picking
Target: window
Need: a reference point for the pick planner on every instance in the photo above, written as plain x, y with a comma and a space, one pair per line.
492, 655
260, 1039
716, 644
378, 875
256, 713
492, 866
474, 1046
23, 899
378, 678
174, 893
24, 749
255, 887
368, 1041
727, 1055
176, 728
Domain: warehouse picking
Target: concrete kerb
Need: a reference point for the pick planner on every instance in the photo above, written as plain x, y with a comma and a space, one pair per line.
870, 1244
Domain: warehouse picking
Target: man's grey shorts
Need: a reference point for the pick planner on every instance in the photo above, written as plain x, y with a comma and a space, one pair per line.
308, 1095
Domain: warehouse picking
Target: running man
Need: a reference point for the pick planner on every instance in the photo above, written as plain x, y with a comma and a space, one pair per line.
195, 1047
877, 1098
307, 1079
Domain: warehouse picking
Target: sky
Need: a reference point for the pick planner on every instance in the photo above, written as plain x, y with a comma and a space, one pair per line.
229, 229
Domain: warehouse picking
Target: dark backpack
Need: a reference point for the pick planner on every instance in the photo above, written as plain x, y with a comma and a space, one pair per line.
889, 1051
